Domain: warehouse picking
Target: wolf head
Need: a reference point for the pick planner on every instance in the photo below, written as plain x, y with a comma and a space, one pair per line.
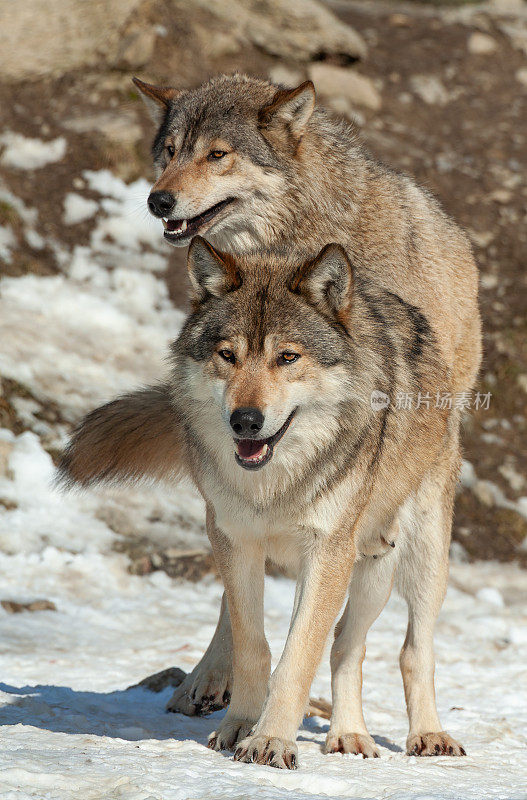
263, 364
224, 156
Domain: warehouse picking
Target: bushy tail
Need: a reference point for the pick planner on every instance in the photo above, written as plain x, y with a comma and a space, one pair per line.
135, 437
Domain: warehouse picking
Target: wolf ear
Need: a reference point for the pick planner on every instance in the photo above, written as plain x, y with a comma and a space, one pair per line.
327, 282
211, 272
156, 98
290, 109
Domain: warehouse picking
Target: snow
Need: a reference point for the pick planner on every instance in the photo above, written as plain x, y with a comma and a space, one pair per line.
7, 243
78, 208
69, 727
22, 152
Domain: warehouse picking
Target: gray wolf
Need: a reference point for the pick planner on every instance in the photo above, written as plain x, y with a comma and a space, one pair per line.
256, 166
268, 409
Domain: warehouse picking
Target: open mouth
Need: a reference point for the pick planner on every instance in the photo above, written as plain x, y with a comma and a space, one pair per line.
256, 453
176, 229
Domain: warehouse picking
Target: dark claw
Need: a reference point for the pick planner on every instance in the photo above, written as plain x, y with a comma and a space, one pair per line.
226, 697
462, 751
293, 761
271, 755
392, 544
438, 749
376, 755
451, 750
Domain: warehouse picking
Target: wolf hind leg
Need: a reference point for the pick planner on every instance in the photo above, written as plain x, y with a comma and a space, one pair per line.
370, 587
421, 578
208, 687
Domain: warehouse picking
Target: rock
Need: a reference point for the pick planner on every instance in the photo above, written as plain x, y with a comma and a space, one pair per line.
430, 89
285, 76
501, 196
124, 33
481, 44
399, 20
506, 6
83, 34
340, 82
121, 128
298, 29
12, 607
137, 48
170, 677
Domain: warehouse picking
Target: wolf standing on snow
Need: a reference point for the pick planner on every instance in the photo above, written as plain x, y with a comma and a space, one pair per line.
259, 168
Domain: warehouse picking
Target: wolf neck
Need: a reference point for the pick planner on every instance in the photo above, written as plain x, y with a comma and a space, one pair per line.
325, 187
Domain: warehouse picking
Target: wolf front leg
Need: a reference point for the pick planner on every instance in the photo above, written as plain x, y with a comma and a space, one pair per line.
421, 578
242, 569
370, 587
321, 590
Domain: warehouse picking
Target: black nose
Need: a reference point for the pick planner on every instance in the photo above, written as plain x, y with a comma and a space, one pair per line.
247, 422
161, 203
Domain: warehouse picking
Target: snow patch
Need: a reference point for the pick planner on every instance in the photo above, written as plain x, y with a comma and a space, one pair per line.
21, 152
78, 208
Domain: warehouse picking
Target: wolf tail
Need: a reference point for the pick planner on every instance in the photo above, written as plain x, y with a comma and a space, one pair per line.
137, 436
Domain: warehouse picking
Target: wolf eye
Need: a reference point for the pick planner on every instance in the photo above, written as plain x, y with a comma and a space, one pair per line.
288, 358
171, 150
227, 355
215, 155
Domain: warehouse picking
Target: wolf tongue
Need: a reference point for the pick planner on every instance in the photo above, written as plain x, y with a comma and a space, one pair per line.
248, 448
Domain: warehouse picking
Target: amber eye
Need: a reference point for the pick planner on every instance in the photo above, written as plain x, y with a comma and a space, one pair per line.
227, 355
288, 357
171, 150
215, 155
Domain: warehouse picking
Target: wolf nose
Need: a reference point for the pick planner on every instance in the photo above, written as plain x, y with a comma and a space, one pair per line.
161, 203
247, 422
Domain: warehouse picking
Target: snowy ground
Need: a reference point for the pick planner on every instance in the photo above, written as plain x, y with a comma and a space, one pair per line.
68, 727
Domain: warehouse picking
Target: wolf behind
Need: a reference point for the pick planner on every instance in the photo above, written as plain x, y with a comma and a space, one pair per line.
256, 166
268, 409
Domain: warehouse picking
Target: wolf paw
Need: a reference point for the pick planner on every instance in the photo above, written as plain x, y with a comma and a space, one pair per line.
360, 744
229, 732
268, 750
201, 693
433, 744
